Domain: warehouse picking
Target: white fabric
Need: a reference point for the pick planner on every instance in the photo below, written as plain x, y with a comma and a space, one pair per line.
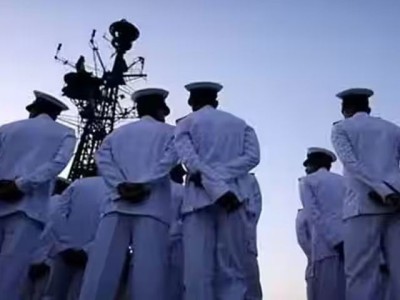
212, 272
149, 91
329, 282
177, 191
365, 237
304, 239
222, 147
176, 245
369, 149
150, 258
51, 99
64, 281
74, 218
33, 152
322, 194
140, 152
19, 236
253, 208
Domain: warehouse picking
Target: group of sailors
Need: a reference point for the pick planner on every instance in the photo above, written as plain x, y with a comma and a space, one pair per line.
349, 226
169, 212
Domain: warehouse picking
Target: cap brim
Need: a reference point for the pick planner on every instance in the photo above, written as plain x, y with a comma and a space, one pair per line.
29, 107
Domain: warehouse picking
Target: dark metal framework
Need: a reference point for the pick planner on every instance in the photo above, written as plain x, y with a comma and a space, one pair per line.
97, 94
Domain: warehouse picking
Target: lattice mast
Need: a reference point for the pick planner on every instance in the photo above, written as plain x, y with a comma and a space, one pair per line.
97, 96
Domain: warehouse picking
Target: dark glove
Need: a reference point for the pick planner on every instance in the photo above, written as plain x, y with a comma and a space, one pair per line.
37, 271
76, 258
196, 179
133, 192
9, 191
229, 201
177, 173
339, 248
392, 199
384, 268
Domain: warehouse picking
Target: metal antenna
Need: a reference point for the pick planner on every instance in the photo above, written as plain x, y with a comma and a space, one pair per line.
97, 94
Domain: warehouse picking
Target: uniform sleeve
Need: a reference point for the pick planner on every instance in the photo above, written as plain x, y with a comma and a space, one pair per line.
51, 169
113, 176
243, 164
213, 184
169, 160
64, 202
344, 149
303, 234
321, 224
45, 244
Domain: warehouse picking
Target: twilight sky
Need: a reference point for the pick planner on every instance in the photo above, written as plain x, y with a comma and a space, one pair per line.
281, 62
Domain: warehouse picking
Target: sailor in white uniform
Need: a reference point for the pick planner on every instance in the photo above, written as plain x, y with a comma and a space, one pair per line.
175, 232
322, 194
39, 270
135, 161
253, 212
369, 149
219, 150
304, 239
81, 205
32, 153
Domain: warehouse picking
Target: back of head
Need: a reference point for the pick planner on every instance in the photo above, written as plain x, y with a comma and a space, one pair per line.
151, 102
318, 158
203, 94
354, 101
45, 104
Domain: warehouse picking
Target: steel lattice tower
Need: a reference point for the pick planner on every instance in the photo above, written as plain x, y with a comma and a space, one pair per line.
97, 96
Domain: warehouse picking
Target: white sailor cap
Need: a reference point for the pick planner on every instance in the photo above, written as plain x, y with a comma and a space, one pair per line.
355, 92
40, 96
315, 152
204, 85
149, 92
312, 150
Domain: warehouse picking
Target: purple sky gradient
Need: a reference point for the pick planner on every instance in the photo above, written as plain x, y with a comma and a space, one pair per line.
281, 63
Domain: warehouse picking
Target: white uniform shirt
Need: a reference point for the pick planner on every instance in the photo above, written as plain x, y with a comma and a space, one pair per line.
222, 147
322, 194
177, 191
369, 149
140, 152
33, 152
74, 218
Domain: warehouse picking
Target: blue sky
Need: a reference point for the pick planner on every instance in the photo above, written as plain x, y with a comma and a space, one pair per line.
281, 63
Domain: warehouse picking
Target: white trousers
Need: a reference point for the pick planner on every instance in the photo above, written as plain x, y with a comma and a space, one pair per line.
215, 253
328, 282
34, 290
19, 236
365, 237
116, 232
65, 281
176, 287
254, 290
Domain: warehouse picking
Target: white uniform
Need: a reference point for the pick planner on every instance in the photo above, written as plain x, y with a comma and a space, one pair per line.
369, 149
303, 233
253, 212
322, 194
176, 245
32, 152
34, 290
223, 148
139, 152
81, 205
